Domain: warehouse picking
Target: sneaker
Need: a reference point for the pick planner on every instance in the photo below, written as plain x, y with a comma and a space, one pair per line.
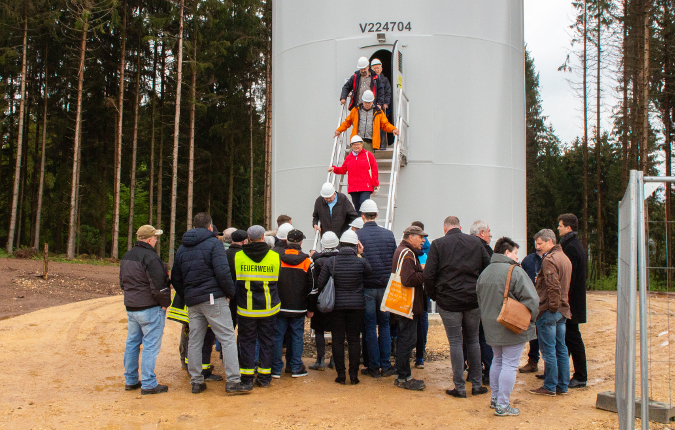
276, 376
478, 391
419, 364
158, 389
372, 373
507, 411
542, 392
238, 388
389, 372
135, 386
301, 373
198, 388
411, 384
531, 367
261, 384
493, 403
455, 393
574, 383
213, 377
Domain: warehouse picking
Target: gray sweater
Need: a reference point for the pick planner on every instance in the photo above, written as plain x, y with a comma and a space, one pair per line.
490, 290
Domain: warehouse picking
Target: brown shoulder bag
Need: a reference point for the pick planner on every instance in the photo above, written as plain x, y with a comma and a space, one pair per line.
514, 315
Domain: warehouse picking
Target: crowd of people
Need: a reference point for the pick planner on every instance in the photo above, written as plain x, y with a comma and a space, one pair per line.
264, 285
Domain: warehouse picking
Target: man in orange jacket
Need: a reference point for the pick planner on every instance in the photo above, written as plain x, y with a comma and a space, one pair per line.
367, 121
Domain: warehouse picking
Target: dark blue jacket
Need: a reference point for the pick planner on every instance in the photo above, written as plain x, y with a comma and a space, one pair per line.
379, 245
350, 270
201, 268
531, 265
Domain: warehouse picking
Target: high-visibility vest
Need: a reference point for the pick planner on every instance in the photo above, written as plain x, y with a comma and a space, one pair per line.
178, 311
257, 293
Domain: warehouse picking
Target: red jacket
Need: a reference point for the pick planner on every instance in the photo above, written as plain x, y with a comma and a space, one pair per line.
357, 168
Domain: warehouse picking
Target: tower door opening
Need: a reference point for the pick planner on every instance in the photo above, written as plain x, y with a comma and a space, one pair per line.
384, 55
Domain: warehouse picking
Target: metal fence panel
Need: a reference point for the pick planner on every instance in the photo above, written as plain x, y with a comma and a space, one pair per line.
626, 306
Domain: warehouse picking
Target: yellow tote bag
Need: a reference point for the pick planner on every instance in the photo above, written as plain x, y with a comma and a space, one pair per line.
398, 299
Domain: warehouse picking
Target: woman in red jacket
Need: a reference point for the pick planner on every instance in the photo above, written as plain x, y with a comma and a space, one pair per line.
361, 167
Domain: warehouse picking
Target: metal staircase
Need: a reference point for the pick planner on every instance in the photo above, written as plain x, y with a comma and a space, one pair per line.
389, 163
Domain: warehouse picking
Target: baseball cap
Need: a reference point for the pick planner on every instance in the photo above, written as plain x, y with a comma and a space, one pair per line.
295, 236
239, 236
255, 232
413, 229
147, 231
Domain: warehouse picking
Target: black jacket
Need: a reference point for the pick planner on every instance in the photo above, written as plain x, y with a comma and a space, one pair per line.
487, 246
574, 250
352, 85
453, 265
201, 268
319, 259
386, 91
230, 253
350, 269
144, 279
343, 215
379, 246
295, 281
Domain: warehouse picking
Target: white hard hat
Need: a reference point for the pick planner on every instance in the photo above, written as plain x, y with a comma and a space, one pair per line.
369, 207
358, 223
355, 138
375, 62
327, 190
362, 63
368, 96
349, 237
282, 232
329, 240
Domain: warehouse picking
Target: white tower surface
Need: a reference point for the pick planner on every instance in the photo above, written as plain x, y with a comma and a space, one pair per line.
463, 62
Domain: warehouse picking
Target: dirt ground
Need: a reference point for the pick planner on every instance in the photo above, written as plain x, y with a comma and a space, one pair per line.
64, 369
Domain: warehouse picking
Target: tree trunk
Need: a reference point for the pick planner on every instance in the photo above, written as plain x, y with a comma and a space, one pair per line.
268, 117
24, 170
667, 127
230, 183
191, 157
598, 152
134, 145
644, 82
38, 210
584, 237
624, 107
17, 168
176, 131
152, 138
114, 253
250, 190
70, 253
160, 162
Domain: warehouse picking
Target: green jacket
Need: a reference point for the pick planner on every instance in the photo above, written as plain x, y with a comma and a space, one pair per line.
490, 290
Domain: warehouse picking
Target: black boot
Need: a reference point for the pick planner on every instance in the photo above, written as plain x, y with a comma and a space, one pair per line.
331, 363
319, 365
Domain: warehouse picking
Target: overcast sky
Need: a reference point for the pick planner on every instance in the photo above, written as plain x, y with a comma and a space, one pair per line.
548, 40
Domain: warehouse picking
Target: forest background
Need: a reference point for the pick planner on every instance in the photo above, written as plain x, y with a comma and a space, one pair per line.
118, 113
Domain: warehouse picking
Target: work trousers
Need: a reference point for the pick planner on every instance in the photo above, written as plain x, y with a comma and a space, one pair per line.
576, 348
264, 330
216, 315
346, 323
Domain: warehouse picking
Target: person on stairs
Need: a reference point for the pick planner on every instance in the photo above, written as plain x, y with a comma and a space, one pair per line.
366, 121
361, 167
376, 65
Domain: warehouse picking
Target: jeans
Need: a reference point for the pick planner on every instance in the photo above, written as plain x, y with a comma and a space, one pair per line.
378, 338
358, 198
453, 321
406, 340
576, 348
551, 332
145, 327
422, 331
346, 322
503, 371
296, 327
217, 315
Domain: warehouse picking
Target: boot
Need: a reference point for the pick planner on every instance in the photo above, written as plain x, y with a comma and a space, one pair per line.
331, 363
531, 367
319, 365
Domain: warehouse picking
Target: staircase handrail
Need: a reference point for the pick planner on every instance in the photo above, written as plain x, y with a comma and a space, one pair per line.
395, 164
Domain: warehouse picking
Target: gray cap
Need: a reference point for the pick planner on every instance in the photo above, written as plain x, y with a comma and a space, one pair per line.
255, 232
